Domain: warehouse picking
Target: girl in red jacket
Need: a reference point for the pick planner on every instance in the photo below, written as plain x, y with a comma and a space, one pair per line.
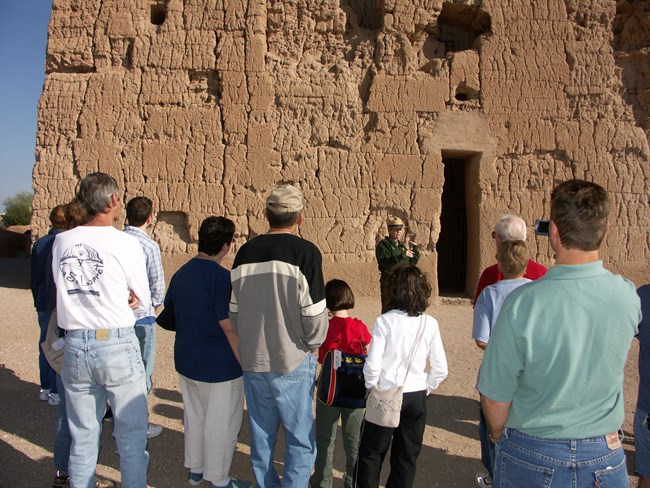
350, 336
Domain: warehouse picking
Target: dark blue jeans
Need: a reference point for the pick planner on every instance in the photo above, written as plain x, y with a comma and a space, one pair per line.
62, 437
145, 331
47, 374
641, 443
487, 447
525, 460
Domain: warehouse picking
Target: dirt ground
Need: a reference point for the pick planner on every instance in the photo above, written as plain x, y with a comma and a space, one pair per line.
450, 456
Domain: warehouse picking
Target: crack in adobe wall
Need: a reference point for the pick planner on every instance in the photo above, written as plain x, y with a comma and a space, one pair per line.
631, 44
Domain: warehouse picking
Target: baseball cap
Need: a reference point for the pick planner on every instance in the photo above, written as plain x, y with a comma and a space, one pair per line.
285, 199
393, 221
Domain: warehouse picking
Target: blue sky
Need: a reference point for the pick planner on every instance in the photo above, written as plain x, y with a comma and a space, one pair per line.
23, 37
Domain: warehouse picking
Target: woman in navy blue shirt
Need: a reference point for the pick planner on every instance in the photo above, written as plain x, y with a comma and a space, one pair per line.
205, 355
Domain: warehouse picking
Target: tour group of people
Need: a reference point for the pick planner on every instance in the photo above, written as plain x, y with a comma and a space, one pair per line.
550, 384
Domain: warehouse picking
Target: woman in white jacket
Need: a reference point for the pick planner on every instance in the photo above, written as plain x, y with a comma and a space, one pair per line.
394, 337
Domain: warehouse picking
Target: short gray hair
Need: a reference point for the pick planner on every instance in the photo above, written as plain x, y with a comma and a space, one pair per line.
95, 191
510, 228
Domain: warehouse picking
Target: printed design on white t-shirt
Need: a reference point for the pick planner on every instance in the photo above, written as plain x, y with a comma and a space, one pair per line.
81, 267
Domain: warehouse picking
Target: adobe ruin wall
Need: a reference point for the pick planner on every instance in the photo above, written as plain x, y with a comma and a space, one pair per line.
371, 107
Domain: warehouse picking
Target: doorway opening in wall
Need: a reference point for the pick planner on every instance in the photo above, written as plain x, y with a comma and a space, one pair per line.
458, 223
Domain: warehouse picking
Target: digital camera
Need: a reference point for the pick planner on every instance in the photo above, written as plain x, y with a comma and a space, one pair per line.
541, 227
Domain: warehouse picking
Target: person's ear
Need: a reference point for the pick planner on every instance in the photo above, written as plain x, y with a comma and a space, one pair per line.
554, 235
299, 220
114, 202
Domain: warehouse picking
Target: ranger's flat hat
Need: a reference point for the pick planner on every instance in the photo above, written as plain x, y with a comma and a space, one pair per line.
393, 221
285, 199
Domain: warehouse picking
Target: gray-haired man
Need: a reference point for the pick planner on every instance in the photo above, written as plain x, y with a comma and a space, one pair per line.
278, 310
508, 228
96, 269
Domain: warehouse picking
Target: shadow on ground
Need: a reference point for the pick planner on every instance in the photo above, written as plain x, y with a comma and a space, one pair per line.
454, 414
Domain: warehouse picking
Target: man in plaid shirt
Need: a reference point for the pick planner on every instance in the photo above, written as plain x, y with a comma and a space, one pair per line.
139, 214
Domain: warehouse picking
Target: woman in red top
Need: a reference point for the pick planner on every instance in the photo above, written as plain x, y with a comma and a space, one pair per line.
350, 336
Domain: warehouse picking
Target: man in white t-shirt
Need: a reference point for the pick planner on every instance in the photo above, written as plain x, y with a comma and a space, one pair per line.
98, 271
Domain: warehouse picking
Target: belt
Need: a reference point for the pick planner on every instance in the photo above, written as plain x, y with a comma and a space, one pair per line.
99, 334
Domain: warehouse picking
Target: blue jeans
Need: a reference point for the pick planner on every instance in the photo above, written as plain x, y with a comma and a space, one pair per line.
47, 374
525, 460
288, 399
96, 370
62, 438
641, 443
487, 447
145, 330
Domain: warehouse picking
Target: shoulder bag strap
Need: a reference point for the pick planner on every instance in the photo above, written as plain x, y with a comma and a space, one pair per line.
418, 338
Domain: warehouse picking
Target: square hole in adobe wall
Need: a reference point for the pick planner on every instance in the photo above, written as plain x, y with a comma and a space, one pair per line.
158, 13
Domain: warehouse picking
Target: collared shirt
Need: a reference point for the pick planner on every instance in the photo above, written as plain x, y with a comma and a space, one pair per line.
391, 252
155, 272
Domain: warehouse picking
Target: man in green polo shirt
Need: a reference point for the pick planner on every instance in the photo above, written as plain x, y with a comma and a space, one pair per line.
551, 381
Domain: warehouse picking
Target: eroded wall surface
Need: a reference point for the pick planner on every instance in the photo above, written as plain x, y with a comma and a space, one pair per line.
205, 105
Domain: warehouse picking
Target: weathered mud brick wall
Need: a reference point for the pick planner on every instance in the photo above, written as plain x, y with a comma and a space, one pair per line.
447, 114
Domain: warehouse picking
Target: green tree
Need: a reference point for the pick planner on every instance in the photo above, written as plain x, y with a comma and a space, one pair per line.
18, 209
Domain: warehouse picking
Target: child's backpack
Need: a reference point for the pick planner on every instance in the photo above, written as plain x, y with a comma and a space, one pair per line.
341, 382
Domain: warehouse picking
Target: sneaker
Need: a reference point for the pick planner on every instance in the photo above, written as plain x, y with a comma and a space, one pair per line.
60, 480
103, 483
195, 479
108, 415
43, 395
153, 430
235, 483
483, 480
53, 399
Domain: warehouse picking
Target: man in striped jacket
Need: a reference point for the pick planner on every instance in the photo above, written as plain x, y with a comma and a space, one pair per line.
278, 310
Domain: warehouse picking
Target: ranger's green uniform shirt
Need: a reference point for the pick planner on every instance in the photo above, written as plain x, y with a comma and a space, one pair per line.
390, 253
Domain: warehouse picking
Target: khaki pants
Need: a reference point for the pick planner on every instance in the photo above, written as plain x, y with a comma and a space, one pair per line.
212, 420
